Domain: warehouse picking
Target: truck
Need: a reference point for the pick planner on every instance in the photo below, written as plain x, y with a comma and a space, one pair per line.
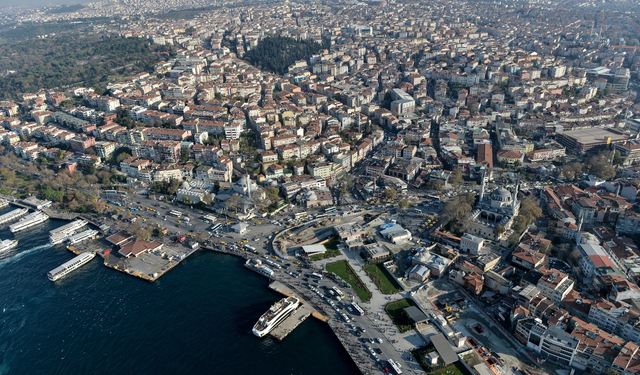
181, 238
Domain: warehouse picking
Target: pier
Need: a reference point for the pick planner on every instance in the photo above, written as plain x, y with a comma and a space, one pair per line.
289, 324
304, 311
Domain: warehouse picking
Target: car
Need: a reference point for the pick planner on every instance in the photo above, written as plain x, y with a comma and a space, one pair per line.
379, 340
362, 329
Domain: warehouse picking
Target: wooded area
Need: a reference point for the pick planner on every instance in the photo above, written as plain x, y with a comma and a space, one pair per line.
73, 60
275, 54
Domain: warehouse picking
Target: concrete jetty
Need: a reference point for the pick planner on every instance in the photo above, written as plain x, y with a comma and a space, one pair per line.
289, 324
303, 312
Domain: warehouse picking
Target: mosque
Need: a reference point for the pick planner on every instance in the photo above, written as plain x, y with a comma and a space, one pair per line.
246, 189
498, 208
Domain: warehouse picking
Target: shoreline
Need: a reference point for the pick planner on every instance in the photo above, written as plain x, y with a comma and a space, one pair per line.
336, 330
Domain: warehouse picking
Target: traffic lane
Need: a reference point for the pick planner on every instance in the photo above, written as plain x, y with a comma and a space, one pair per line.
372, 331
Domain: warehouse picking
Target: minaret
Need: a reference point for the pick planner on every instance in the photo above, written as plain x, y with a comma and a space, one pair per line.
618, 190
482, 172
515, 194
580, 221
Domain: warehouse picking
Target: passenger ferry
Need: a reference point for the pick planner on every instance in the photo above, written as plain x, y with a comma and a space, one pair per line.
276, 315
12, 215
88, 234
29, 221
58, 235
75, 263
8, 245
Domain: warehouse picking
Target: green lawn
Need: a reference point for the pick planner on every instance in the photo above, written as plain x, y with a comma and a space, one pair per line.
455, 368
382, 278
332, 250
347, 274
395, 310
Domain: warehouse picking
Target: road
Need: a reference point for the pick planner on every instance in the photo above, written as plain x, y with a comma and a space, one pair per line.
375, 323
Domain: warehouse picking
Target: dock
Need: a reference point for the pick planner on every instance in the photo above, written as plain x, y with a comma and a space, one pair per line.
304, 311
289, 324
148, 266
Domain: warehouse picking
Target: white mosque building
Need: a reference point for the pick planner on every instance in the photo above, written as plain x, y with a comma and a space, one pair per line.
498, 208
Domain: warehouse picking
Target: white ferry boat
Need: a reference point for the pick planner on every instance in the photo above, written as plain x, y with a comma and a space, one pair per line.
75, 263
58, 235
29, 221
276, 314
88, 234
7, 245
12, 215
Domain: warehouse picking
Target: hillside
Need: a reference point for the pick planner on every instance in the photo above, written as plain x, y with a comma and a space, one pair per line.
72, 60
275, 54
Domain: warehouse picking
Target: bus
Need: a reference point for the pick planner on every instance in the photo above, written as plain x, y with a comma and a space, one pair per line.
250, 248
216, 227
175, 213
115, 192
338, 292
209, 218
330, 209
317, 276
300, 214
357, 308
395, 366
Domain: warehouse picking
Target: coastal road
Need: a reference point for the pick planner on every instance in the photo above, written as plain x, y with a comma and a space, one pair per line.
354, 345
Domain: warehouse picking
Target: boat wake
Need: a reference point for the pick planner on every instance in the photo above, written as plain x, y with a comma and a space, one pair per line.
22, 254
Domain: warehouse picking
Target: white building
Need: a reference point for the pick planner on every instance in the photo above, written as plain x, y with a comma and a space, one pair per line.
471, 244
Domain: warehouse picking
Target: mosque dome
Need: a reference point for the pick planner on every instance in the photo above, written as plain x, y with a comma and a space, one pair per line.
501, 195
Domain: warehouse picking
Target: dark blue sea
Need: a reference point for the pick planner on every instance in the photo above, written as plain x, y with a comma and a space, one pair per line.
196, 319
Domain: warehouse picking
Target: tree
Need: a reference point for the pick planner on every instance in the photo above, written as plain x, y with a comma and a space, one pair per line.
260, 200
186, 200
456, 177
158, 232
499, 231
184, 155
572, 170
601, 165
390, 193
618, 159
273, 194
99, 206
436, 185
234, 202
404, 204
122, 156
348, 180
207, 198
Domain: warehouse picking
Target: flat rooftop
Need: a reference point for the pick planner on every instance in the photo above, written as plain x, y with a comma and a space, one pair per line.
595, 135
